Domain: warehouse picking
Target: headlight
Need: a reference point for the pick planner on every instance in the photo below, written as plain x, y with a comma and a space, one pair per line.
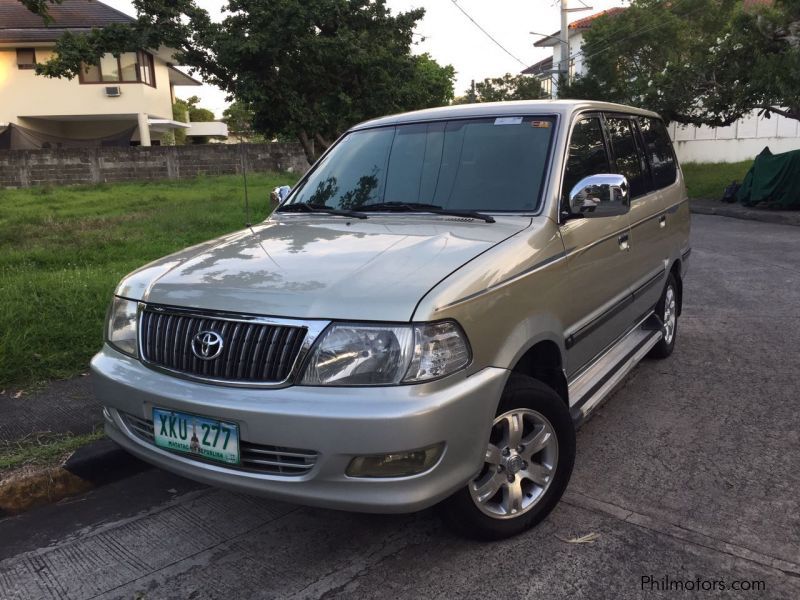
352, 354
439, 349
121, 331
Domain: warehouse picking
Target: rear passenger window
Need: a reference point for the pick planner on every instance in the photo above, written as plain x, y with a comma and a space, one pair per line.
659, 151
587, 153
623, 143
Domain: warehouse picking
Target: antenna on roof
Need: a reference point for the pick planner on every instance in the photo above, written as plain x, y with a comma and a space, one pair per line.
248, 222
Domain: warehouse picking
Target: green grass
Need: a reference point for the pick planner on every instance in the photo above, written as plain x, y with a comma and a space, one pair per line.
63, 250
709, 180
46, 451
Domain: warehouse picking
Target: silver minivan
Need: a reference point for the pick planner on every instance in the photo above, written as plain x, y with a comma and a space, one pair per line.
425, 318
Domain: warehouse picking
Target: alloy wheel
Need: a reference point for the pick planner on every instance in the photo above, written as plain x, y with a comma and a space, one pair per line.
670, 315
519, 465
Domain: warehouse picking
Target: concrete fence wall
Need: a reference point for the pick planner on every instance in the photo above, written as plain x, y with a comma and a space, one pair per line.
742, 140
24, 168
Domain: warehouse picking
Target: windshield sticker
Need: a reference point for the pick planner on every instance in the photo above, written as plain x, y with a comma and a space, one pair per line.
508, 120
542, 124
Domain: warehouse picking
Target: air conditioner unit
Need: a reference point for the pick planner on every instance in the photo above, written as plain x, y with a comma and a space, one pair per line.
113, 91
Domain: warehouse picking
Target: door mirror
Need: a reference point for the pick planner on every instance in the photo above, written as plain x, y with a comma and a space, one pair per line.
279, 194
603, 195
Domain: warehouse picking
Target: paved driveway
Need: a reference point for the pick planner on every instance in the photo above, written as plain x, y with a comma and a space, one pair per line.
690, 474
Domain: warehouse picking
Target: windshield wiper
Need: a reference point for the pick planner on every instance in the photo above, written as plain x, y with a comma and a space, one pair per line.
321, 208
431, 208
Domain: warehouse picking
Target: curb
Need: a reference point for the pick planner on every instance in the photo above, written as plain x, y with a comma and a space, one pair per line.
96, 464
736, 211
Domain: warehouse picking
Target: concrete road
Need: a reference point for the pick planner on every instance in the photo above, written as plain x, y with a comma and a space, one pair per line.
690, 474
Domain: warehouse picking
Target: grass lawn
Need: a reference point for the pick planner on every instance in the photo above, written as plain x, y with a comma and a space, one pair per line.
709, 180
48, 451
62, 251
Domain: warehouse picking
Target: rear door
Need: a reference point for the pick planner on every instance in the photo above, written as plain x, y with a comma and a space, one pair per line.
649, 242
597, 307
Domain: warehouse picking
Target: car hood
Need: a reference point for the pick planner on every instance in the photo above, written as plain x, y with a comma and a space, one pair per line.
319, 266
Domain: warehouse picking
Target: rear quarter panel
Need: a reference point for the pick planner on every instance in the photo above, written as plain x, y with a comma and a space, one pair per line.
676, 203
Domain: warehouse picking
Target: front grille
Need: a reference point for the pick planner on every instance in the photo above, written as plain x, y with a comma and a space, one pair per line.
252, 351
255, 458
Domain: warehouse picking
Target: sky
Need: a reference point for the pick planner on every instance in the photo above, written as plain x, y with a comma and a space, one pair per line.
450, 37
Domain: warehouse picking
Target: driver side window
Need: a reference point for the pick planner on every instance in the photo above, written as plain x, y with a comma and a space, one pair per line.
588, 154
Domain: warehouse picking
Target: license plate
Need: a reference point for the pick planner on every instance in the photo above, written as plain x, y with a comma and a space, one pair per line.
196, 435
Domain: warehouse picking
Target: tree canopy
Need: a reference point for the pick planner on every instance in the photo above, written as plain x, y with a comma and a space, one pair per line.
701, 62
197, 114
39, 7
239, 118
507, 87
306, 68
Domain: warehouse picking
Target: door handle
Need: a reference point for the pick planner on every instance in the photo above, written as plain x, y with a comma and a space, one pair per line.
662, 221
624, 241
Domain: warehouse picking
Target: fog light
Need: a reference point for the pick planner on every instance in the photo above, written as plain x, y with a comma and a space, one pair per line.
396, 464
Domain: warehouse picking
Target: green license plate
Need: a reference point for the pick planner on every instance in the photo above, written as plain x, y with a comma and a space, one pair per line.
196, 435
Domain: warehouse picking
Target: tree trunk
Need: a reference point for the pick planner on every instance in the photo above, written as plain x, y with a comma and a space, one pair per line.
324, 144
308, 147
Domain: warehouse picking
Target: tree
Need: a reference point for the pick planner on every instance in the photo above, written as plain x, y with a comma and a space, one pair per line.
764, 46
180, 112
307, 68
507, 87
239, 118
198, 114
39, 7
701, 62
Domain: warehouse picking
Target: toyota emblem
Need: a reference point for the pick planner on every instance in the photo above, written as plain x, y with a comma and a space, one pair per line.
207, 345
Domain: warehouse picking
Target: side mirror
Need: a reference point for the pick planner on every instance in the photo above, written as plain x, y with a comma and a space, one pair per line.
279, 195
603, 195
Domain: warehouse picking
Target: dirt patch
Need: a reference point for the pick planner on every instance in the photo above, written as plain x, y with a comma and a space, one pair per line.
30, 487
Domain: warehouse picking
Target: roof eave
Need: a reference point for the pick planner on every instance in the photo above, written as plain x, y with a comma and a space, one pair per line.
178, 77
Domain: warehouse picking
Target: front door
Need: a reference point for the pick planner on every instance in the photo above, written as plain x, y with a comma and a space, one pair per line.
597, 308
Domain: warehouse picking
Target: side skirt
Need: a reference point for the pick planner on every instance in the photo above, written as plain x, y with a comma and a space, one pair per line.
592, 385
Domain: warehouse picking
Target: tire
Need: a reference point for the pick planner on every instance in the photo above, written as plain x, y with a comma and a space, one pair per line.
549, 433
667, 311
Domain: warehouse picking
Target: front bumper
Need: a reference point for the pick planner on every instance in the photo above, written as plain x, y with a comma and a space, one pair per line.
338, 423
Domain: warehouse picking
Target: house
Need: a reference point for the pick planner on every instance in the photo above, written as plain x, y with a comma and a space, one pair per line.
547, 70
739, 141
121, 101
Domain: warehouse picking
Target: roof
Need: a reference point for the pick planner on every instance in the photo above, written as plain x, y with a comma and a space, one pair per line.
586, 22
578, 26
563, 108
18, 24
178, 77
539, 68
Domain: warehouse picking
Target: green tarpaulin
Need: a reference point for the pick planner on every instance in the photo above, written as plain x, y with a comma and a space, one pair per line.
774, 179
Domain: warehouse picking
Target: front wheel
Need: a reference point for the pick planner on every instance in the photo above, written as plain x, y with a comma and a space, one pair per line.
527, 465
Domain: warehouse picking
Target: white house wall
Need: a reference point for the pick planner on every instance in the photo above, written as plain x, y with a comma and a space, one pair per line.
25, 94
576, 51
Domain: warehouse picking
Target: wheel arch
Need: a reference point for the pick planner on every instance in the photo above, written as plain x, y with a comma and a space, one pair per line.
544, 362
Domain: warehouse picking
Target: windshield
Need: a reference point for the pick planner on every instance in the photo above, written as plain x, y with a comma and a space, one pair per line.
488, 164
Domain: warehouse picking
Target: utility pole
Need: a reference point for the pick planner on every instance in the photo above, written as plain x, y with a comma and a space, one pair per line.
563, 64
564, 54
